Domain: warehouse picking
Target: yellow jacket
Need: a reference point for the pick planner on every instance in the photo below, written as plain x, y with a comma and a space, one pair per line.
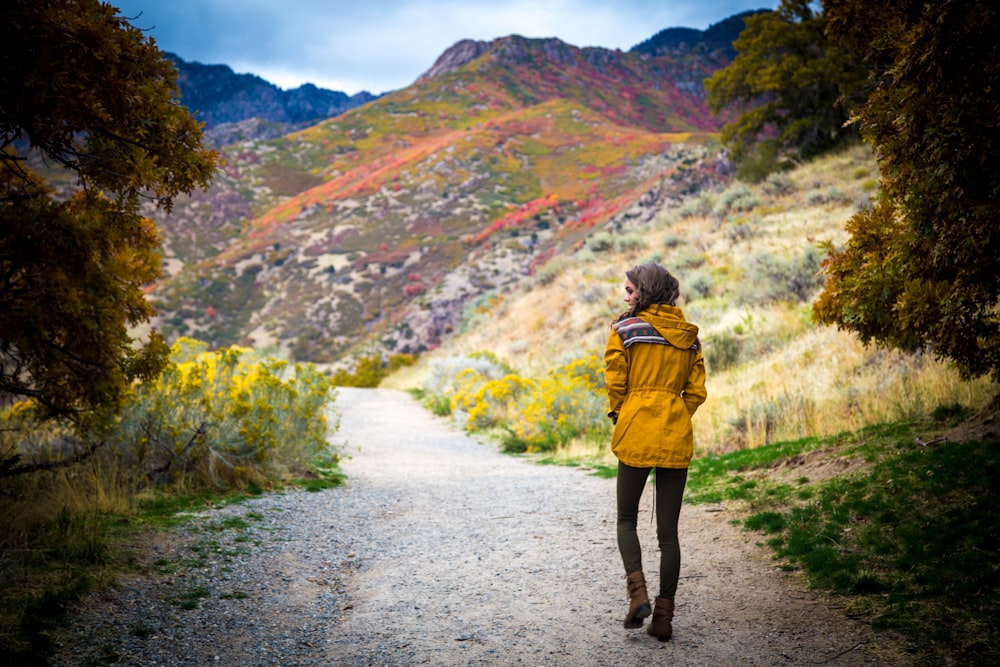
655, 376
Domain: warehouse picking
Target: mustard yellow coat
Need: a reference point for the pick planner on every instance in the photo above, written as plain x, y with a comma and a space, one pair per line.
656, 380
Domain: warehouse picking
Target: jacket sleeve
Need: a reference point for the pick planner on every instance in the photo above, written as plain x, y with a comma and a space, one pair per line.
615, 373
694, 391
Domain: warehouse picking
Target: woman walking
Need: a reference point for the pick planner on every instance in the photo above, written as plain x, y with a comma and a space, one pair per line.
656, 380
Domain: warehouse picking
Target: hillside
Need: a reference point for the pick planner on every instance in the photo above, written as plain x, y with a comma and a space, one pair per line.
375, 229
748, 261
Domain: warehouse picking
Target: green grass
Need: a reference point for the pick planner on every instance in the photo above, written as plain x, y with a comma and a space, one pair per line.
907, 539
190, 597
322, 479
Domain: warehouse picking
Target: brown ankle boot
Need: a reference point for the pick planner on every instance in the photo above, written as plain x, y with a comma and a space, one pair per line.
663, 614
638, 605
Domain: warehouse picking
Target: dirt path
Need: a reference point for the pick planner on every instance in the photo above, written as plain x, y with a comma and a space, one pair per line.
441, 551
499, 561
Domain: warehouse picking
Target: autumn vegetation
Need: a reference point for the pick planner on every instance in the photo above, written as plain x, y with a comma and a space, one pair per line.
845, 285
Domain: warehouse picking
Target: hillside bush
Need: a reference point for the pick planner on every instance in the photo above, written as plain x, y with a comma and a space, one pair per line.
778, 183
741, 230
631, 241
526, 414
225, 419
699, 285
601, 242
673, 240
830, 195
369, 371
653, 258
770, 278
695, 207
476, 309
737, 197
547, 273
723, 351
687, 259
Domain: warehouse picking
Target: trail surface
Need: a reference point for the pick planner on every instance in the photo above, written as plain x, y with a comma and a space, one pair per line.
440, 551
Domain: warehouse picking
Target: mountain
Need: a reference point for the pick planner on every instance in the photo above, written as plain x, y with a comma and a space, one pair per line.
244, 106
383, 228
716, 40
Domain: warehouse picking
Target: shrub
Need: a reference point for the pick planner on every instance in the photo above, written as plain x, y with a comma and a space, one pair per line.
743, 230
723, 351
654, 258
700, 285
778, 184
630, 242
770, 278
737, 197
527, 414
688, 259
547, 273
368, 372
696, 206
672, 240
601, 242
831, 195
452, 375
225, 419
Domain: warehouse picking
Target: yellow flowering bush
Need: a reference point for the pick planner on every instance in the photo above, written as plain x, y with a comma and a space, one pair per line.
529, 414
226, 417
568, 403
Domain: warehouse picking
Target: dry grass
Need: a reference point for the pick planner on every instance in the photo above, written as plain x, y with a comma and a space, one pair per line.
792, 379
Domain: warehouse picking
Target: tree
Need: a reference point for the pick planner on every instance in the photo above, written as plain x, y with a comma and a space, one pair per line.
921, 269
791, 80
90, 125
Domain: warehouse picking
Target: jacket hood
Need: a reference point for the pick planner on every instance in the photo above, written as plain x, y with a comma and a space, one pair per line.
670, 323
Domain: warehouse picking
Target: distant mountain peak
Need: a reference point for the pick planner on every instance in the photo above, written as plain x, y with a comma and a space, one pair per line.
222, 99
513, 49
456, 56
718, 36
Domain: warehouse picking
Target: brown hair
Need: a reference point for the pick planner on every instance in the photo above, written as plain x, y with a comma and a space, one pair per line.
653, 284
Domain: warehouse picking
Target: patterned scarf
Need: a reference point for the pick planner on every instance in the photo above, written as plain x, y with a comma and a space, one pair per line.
636, 330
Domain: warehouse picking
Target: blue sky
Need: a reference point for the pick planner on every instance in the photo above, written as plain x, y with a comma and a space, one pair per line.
383, 45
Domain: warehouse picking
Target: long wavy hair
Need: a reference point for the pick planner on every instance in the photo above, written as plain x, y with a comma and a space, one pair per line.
654, 285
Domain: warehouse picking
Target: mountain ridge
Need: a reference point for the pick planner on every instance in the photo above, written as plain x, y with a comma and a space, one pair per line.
239, 106
716, 37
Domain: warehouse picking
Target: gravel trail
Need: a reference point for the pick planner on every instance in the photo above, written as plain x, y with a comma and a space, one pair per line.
440, 551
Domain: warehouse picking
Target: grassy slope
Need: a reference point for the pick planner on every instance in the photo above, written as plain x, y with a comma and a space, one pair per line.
808, 436
902, 534
747, 279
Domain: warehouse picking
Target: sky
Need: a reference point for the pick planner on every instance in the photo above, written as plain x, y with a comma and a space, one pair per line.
384, 45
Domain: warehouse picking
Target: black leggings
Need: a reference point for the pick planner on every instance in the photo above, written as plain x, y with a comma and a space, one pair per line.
669, 491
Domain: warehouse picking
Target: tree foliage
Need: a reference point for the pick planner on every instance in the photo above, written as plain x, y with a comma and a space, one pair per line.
920, 269
790, 79
90, 124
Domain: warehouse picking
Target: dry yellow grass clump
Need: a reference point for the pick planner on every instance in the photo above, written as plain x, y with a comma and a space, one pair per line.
747, 257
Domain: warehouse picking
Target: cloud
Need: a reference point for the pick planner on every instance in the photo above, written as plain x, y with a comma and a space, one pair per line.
382, 45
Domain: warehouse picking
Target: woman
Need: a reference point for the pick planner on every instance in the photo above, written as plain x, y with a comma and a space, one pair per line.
656, 380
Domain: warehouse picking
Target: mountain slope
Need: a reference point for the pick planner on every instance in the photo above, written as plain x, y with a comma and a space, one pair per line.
375, 229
